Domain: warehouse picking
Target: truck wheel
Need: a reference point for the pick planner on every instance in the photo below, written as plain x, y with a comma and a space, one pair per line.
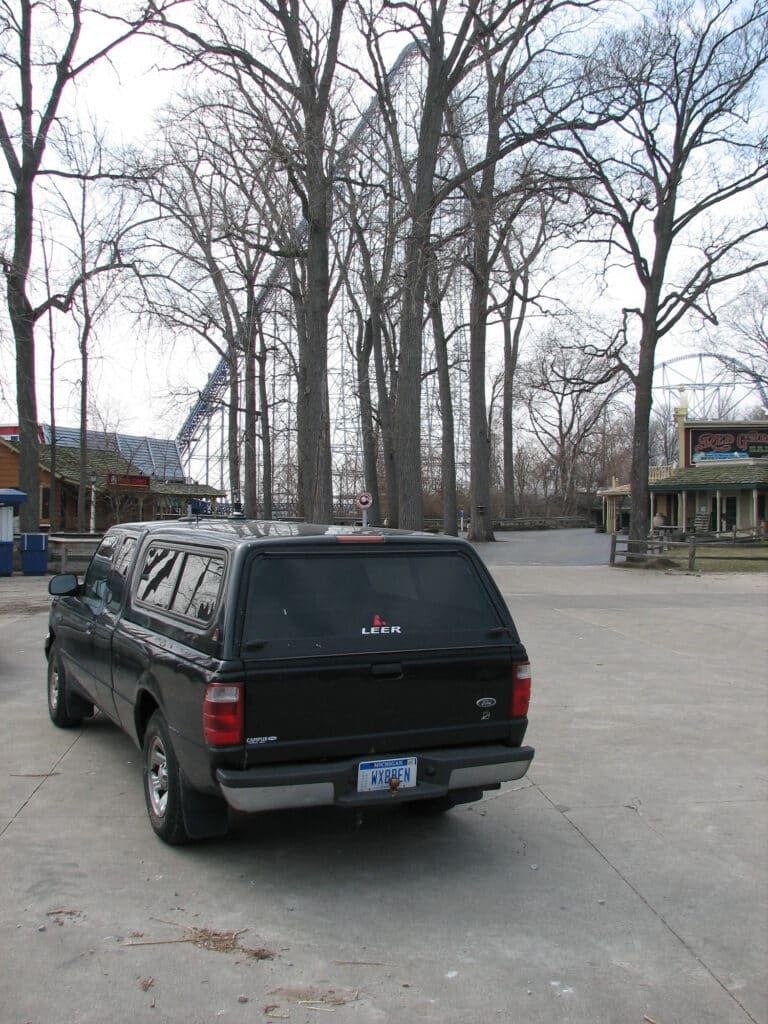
66, 710
162, 783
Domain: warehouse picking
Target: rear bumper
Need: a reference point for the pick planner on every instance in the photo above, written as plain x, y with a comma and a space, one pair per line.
271, 787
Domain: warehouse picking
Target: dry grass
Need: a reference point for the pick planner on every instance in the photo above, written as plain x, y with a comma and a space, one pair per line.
214, 939
226, 942
722, 557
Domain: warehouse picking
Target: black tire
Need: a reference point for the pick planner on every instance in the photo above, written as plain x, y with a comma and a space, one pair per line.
66, 710
163, 783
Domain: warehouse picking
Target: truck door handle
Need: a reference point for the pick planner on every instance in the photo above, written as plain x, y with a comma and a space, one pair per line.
393, 671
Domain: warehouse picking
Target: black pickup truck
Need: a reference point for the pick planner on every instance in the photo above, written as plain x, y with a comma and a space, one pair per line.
262, 665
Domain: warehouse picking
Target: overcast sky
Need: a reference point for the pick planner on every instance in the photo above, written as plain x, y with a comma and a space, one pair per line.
131, 382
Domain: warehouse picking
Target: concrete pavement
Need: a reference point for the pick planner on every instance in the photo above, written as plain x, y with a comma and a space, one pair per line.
23, 593
624, 880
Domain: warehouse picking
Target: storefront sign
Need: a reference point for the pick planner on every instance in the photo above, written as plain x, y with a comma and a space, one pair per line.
728, 444
719, 456
127, 480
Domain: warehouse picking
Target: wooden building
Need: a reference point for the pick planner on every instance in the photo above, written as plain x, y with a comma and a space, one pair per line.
120, 489
720, 484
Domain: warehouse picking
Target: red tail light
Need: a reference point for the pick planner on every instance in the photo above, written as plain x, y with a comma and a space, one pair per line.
360, 538
521, 689
223, 714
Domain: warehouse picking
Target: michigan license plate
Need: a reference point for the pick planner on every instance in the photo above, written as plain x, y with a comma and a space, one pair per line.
394, 773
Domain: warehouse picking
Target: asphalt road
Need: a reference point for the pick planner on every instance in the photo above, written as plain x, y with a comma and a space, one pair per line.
548, 547
624, 880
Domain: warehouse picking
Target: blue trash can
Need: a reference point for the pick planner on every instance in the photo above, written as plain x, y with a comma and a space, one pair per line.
34, 554
6, 558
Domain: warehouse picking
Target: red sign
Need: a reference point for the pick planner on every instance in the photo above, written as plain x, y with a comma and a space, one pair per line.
126, 480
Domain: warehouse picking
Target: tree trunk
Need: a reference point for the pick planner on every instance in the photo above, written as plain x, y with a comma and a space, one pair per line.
511, 351
481, 512
23, 326
314, 440
266, 431
408, 403
385, 399
639, 493
370, 462
638, 525
233, 429
450, 502
53, 490
251, 414
82, 490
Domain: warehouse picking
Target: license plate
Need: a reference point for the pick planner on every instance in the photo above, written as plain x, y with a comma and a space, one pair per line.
380, 775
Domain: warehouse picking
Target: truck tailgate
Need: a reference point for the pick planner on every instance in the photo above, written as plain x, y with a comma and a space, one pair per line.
354, 705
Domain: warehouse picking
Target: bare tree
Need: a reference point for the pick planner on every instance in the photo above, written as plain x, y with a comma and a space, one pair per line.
567, 392
532, 223
435, 294
286, 78
744, 334
373, 215
675, 177
521, 102
41, 55
453, 46
93, 218
449, 53
206, 242
662, 445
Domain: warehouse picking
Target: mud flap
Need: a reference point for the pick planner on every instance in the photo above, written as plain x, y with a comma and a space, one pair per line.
77, 706
205, 816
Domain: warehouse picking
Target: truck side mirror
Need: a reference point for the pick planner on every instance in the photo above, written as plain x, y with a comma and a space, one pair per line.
64, 584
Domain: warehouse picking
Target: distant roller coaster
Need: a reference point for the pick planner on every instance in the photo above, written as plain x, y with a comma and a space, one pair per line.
715, 385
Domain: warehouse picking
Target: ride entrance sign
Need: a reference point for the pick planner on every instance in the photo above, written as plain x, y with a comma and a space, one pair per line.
365, 501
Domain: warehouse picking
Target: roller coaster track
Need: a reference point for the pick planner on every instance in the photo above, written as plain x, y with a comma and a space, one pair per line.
745, 373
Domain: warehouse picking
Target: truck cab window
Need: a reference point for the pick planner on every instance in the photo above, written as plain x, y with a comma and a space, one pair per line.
120, 566
96, 583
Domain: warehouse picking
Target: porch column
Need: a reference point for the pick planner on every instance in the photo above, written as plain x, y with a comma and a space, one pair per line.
684, 523
719, 511
755, 524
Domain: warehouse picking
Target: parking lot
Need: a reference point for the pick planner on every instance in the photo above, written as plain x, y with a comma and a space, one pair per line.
623, 880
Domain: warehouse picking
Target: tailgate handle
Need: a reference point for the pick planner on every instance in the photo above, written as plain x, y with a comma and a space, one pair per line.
392, 671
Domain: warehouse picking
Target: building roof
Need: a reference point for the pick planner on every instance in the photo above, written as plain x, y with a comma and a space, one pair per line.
152, 456
731, 474
98, 464
618, 491
101, 462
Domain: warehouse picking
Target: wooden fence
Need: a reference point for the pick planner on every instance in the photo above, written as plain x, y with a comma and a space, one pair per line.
621, 549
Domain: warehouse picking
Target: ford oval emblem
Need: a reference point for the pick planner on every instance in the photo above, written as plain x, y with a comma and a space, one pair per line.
486, 702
